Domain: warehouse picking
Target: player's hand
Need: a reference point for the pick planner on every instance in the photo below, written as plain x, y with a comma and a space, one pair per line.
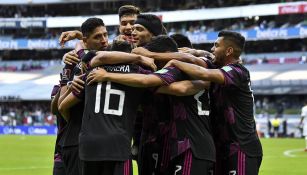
141, 51
170, 63
78, 84
71, 58
69, 35
121, 38
96, 75
187, 50
148, 62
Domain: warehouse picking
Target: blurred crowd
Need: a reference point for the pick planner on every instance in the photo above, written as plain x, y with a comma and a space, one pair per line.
26, 113
110, 7
27, 65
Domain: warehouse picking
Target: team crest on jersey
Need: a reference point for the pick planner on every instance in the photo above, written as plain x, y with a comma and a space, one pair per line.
227, 68
161, 71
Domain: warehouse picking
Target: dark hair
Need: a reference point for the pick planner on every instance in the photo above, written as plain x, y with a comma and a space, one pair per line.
151, 22
162, 43
128, 10
236, 39
182, 40
90, 25
122, 46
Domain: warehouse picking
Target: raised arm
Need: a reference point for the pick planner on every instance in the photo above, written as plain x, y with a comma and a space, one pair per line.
184, 88
199, 73
69, 35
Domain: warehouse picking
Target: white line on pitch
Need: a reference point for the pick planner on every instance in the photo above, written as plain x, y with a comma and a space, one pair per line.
289, 153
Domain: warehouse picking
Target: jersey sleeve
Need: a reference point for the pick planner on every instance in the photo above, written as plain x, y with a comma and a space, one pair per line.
141, 70
55, 90
170, 75
80, 95
234, 75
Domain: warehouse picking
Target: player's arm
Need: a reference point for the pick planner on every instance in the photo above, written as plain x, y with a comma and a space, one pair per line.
184, 88
115, 57
199, 73
134, 80
69, 35
65, 90
165, 57
69, 101
196, 52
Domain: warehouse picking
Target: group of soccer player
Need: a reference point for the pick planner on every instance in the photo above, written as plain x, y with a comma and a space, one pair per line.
153, 98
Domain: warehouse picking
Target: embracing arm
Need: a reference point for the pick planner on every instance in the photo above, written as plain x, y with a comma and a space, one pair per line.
69, 101
169, 56
199, 73
134, 80
115, 57
184, 88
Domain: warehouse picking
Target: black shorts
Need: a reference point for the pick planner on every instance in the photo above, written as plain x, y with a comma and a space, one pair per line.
188, 164
71, 160
154, 157
238, 163
58, 165
242, 164
149, 158
107, 167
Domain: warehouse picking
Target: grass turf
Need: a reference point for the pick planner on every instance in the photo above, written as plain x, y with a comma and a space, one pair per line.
28, 155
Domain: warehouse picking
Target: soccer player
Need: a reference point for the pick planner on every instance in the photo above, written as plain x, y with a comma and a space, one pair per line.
107, 124
127, 16
95, 38
58, 164
304, 122
188, 141
239, 150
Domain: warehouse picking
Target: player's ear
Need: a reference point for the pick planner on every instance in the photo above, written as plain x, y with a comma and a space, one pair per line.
229, 51
84, 39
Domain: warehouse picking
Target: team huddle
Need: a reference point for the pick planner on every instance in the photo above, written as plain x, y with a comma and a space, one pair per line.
153, 98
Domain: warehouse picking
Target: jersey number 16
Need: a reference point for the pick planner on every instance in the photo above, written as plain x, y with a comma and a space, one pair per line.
109, 92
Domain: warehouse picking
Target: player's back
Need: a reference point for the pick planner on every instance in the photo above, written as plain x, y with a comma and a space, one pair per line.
193, 125
109, 114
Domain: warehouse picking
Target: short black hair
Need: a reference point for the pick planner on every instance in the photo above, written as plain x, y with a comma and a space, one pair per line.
182, 40
151, 22
236, 39
122, 46
162, 43
90, 25
128, 10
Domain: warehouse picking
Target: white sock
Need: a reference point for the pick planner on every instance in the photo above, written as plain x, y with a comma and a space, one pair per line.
306, 142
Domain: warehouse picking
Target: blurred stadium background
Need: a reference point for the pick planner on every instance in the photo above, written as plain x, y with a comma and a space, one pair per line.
30, 61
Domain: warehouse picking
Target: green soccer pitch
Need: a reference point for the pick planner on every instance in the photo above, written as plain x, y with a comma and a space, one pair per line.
28, 155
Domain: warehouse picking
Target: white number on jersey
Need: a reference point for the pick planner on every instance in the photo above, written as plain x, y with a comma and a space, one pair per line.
109, 92
200, 105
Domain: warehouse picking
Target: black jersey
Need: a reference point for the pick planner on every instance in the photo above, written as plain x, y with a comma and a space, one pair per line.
232, 109
109, 114
190, 123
